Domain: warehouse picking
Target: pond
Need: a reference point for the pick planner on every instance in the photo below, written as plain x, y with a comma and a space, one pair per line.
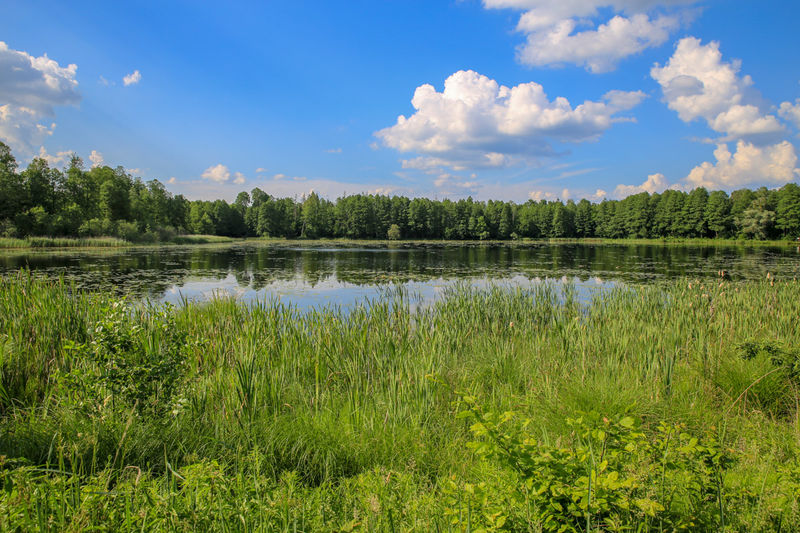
313, 275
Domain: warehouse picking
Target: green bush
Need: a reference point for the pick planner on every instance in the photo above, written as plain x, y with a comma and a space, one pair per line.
609, 476
141, 366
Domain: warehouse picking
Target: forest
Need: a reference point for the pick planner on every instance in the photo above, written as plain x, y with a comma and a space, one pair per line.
105, 201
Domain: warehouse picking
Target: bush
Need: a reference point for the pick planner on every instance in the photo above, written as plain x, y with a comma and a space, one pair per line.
609, 477
139, 366
128, 231
7, 229
96, 227
394, 233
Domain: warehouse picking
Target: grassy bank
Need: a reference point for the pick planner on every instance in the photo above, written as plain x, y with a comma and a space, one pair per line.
62, 242
101, 242
107, 242
671, 407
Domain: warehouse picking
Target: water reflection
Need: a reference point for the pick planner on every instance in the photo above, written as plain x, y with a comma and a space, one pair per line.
312, 275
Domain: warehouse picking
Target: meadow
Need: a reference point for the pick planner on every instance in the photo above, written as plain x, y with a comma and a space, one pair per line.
671, 406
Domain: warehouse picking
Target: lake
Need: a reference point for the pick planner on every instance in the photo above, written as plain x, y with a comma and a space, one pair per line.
313, 275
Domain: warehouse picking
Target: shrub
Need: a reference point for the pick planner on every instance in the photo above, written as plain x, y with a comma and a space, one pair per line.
128, 231
608, 477
142, 366
394, 233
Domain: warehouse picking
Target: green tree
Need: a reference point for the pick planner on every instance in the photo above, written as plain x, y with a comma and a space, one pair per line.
718, 213
757, 221
393, 234
12, 191
314, 217
584, 221
563, 223
787, 216
693, 219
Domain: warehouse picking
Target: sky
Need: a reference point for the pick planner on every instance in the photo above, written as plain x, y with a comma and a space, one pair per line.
494, 99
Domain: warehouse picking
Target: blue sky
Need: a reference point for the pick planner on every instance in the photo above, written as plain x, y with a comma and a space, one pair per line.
515, 99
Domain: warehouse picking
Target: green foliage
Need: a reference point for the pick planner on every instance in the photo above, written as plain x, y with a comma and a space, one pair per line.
394, 233
42, 201
141, 366
610, 477
225, 415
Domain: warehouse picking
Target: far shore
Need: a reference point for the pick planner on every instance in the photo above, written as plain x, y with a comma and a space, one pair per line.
56, 243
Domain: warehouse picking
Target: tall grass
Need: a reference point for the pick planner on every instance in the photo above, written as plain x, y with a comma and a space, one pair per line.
333, 420
63, 242
101, 242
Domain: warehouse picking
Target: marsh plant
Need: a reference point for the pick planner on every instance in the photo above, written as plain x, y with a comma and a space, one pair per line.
667, 407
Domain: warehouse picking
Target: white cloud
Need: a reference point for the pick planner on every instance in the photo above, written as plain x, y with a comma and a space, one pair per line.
96, 158
550, 26
653, 184
791, 112
333, 151
475, 122
749, 165
542, 13
172, 180
238, 178
383, 191
697, 83
539, 195
218, 173
599, 195
30, 89
598, 50
132, 79
259, 170
60, 159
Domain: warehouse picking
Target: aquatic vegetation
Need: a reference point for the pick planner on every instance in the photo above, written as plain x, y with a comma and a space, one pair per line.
671, 406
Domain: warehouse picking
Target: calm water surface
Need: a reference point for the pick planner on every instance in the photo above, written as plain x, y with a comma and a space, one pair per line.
313, 275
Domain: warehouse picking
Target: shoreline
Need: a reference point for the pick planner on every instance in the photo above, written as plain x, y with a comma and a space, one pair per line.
77, 243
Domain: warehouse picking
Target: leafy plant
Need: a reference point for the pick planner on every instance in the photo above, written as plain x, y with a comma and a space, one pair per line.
142, 366
597, 481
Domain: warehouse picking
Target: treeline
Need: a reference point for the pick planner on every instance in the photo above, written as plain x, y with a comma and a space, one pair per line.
108, 201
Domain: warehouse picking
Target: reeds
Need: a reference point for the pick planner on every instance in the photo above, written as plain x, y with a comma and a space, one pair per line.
330, 419
63, 242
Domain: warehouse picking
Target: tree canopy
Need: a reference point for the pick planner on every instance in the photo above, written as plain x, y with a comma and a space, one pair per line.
73, 201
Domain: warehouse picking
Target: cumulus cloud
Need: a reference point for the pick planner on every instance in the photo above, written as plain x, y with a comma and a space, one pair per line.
218, 173
552, 39
60, 159
172, 180
597, 50
653, 184
749, 165
132, 79
476, 122
698, 84
539, 195
791, 112
238, 178
96, 158
30, 89
383, 191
